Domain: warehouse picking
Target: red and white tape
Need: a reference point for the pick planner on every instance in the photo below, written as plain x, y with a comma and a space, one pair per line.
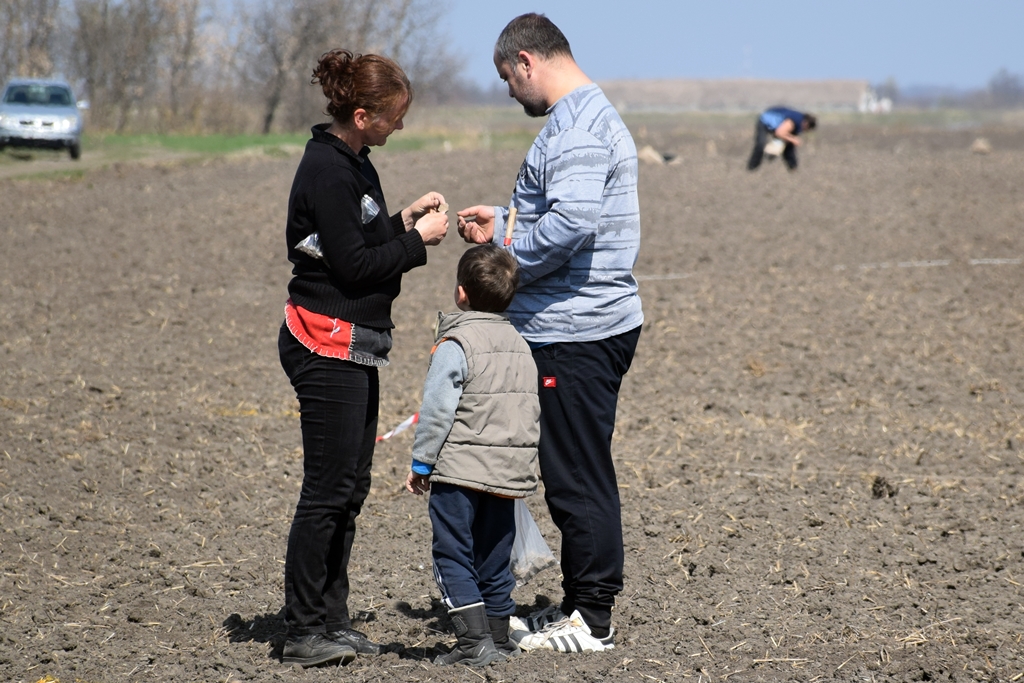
408, 422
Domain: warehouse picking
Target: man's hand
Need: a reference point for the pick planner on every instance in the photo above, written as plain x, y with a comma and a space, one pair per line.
417, 483
476, 224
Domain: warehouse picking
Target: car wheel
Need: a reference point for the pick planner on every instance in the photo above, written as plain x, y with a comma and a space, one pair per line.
75, 150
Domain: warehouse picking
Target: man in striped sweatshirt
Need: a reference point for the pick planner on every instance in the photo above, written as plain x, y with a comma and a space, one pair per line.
576, 238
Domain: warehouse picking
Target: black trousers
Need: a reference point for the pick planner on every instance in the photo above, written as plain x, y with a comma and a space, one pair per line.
761, 135
577, 418
338, 402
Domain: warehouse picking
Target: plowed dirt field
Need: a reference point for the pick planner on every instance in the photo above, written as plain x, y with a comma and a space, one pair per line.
820, 445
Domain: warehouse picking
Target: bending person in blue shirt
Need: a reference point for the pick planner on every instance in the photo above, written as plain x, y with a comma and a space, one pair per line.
782, 124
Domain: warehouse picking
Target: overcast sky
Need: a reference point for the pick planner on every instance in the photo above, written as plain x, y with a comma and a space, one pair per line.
958, 43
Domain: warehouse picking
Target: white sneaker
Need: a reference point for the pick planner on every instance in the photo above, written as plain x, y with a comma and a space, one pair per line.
568, 635
537, 620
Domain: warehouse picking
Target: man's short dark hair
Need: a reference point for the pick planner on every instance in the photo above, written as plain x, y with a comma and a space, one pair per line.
489, 275
533, 33
812, 121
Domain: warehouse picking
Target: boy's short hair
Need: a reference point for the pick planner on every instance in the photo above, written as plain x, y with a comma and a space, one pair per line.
489, 275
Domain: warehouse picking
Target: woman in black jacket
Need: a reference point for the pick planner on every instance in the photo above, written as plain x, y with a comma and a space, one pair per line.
348, 255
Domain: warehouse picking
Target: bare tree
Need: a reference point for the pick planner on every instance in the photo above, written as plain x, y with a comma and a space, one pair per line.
230, 103
276, 44
116, 51
27, 29
174, 64
182, 24
92, 61
286, 38
410, 31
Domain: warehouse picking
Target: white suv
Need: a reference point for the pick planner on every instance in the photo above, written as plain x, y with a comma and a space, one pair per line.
41, 113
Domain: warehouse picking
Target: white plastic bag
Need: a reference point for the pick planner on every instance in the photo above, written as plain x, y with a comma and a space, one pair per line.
530, 553
775, 147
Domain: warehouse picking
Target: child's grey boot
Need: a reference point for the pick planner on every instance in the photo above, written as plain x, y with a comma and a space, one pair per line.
505, 646
475, 647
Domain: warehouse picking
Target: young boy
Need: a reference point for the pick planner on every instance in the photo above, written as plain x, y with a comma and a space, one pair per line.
476, 452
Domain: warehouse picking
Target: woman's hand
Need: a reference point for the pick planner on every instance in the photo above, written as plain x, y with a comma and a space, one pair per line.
431, 202
417, 483
432, 228
476, 224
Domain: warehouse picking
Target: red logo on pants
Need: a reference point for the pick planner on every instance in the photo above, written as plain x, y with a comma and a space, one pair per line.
550, 382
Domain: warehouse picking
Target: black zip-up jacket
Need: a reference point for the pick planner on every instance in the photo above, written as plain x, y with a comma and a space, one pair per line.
366, 260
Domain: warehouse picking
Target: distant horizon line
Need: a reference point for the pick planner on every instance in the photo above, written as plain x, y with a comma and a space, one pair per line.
791, 80
917, 86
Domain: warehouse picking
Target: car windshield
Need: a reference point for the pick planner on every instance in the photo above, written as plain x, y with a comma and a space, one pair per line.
47, 95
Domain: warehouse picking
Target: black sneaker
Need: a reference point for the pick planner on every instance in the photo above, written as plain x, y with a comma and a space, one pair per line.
357, 641
316, 649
